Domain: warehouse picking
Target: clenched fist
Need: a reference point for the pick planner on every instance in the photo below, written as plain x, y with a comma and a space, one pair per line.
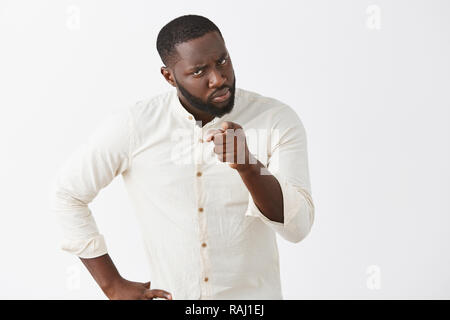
230, 145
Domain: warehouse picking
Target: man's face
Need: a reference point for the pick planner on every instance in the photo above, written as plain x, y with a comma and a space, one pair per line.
204, 71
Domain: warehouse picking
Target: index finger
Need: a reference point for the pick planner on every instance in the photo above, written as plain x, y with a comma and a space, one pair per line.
211, 133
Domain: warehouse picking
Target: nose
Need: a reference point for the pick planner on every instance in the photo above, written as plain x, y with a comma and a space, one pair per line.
216, 79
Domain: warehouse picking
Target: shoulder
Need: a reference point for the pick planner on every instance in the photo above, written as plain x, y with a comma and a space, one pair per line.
147, 115
150, 106
258, 104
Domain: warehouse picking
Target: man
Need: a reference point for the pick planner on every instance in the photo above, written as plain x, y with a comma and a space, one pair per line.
209, 199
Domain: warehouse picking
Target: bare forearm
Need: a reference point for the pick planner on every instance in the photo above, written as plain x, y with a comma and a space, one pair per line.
265, 190
115, 287
103, 271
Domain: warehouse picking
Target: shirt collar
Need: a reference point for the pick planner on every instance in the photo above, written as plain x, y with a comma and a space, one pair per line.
182, 113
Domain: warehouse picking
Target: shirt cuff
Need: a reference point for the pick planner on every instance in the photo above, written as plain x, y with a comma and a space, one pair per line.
298, 212
90, 248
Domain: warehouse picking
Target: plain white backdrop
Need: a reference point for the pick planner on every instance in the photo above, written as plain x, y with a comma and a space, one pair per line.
370, 81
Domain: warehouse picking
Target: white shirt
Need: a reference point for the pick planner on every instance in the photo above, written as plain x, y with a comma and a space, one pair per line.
217, 244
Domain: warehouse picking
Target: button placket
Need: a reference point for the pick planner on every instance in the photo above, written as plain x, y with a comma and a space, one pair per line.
203, 235
198, 146
201, 216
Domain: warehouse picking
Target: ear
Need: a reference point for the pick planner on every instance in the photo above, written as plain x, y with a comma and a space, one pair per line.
167, 74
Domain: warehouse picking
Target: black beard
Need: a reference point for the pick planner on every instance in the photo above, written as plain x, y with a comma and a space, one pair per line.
209, 107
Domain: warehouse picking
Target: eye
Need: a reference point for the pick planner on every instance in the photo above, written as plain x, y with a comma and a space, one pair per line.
197, 73
224, 60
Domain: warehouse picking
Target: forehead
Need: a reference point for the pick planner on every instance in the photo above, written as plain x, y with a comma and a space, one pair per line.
200, 50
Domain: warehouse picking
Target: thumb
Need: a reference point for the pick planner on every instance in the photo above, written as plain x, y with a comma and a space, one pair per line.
147, 284
227, 125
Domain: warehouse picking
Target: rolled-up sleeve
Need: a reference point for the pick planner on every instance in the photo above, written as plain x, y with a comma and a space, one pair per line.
90, 168
288, 163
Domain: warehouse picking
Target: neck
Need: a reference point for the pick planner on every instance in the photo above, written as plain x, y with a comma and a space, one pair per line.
199, 115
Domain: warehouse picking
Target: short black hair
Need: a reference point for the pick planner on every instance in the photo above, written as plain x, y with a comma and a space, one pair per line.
179, 30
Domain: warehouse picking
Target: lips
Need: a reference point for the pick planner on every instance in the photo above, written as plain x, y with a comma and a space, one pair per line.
221, 95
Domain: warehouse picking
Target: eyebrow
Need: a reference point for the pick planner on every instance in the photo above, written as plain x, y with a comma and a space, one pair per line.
201, 66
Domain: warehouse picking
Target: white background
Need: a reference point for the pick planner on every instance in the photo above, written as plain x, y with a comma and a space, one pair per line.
370, 81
